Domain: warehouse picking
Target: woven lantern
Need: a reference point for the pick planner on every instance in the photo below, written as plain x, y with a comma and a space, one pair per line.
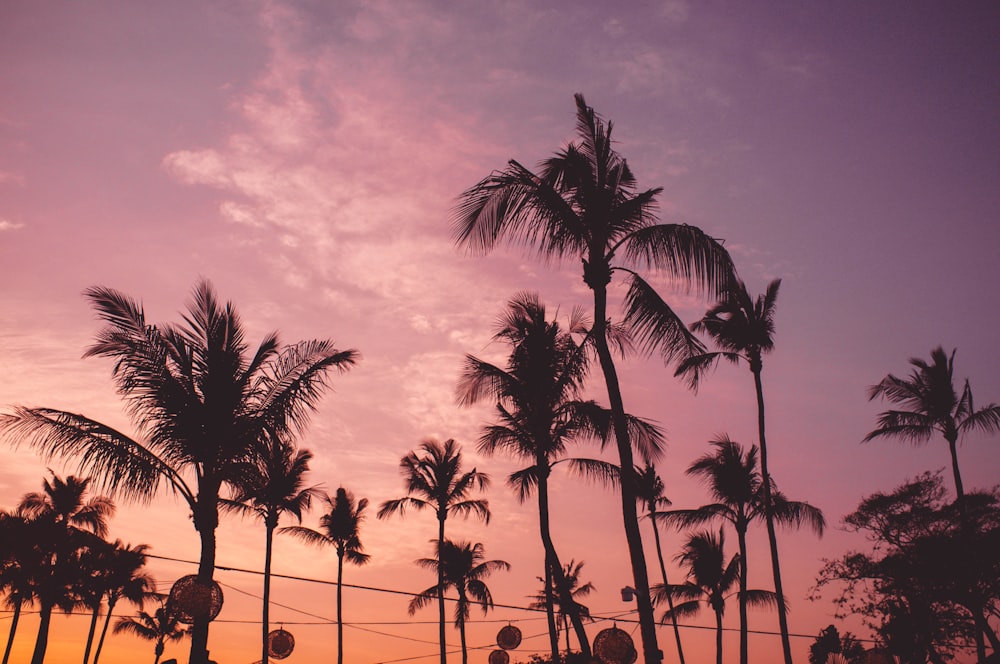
280, 643
192, 599
614, 646
509, 637
499, 657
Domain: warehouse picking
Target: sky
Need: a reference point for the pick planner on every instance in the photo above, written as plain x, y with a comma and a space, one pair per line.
306, 157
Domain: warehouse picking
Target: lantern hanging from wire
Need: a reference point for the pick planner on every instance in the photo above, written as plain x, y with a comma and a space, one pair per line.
193, 599
614, 646
509, 637
499, 657
280, 643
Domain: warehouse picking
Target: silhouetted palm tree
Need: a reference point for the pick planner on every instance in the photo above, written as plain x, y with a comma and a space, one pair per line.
460, 565
121, 577
735, 483
932, 405
160, 627
710, 580
273, 484
649, 490
340, 528
571, 572
68, 525
434, 480
743, 328
583, 204
539, 409
18, 562
200, 401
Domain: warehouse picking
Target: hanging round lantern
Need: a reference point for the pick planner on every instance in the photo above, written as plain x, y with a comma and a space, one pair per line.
192, 599
509, 637
499, 657
280, 643
614, 646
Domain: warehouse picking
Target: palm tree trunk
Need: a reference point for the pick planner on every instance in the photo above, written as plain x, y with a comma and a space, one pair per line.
786, 646
718, 637
741, 536
207, 519
440, 589
644, 604
266, 615
90, 634
13, 630
953, 448
42, 640
562, 587
104, 630
550, 614
461, 630
663, 573
159, 650
340, 606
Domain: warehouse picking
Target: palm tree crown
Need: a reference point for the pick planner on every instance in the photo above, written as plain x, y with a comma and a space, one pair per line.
932, 405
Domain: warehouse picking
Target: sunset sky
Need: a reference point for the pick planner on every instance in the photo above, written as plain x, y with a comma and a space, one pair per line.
305, 157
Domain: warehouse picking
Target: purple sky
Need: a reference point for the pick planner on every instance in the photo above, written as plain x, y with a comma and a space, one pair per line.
305, 157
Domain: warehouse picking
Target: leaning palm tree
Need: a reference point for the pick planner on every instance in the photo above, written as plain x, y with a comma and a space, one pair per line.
710, 581
743, 329
69, 527
571, 572
200, 402
931, 405
583, 203
649, 490
540, 410
735, 483
460, 565
273, 484
124, 580
160, 627
339, 528
434, 480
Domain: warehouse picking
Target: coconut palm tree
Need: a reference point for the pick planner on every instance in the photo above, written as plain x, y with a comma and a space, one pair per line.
460, 565
68, 525
743, 329
200, 402
124, 578
537, 397
571, 572
340, 528
734, 482
649, 490
434, 480
273, 484
710, 581
19, 563
930, 404
583, 203
160, 627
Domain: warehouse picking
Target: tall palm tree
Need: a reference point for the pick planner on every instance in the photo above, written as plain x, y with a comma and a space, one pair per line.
743, 329
160, 627
583, 203
124, 578
199, 401
460, 565
571, 572
340, 528
649, 490
273, 484
537, 396
69, 525
932, 405
710, 580
434, 480
19, 563
735, 483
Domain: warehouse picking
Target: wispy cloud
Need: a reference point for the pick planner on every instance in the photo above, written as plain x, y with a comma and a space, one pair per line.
7, 225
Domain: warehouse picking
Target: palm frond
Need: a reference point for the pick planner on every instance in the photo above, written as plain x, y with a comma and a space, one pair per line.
655, 325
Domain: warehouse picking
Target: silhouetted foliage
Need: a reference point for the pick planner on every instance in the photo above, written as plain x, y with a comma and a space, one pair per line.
574, 591
830, 642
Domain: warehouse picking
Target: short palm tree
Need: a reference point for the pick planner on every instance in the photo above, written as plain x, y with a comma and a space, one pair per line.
932, 405
200, 402
583, 204
735, 483
160, 627
273, 484
123, 578
743, 329
69, 525
434, 480
710, 580
571, 572
339, 528
462, 566
19, 561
